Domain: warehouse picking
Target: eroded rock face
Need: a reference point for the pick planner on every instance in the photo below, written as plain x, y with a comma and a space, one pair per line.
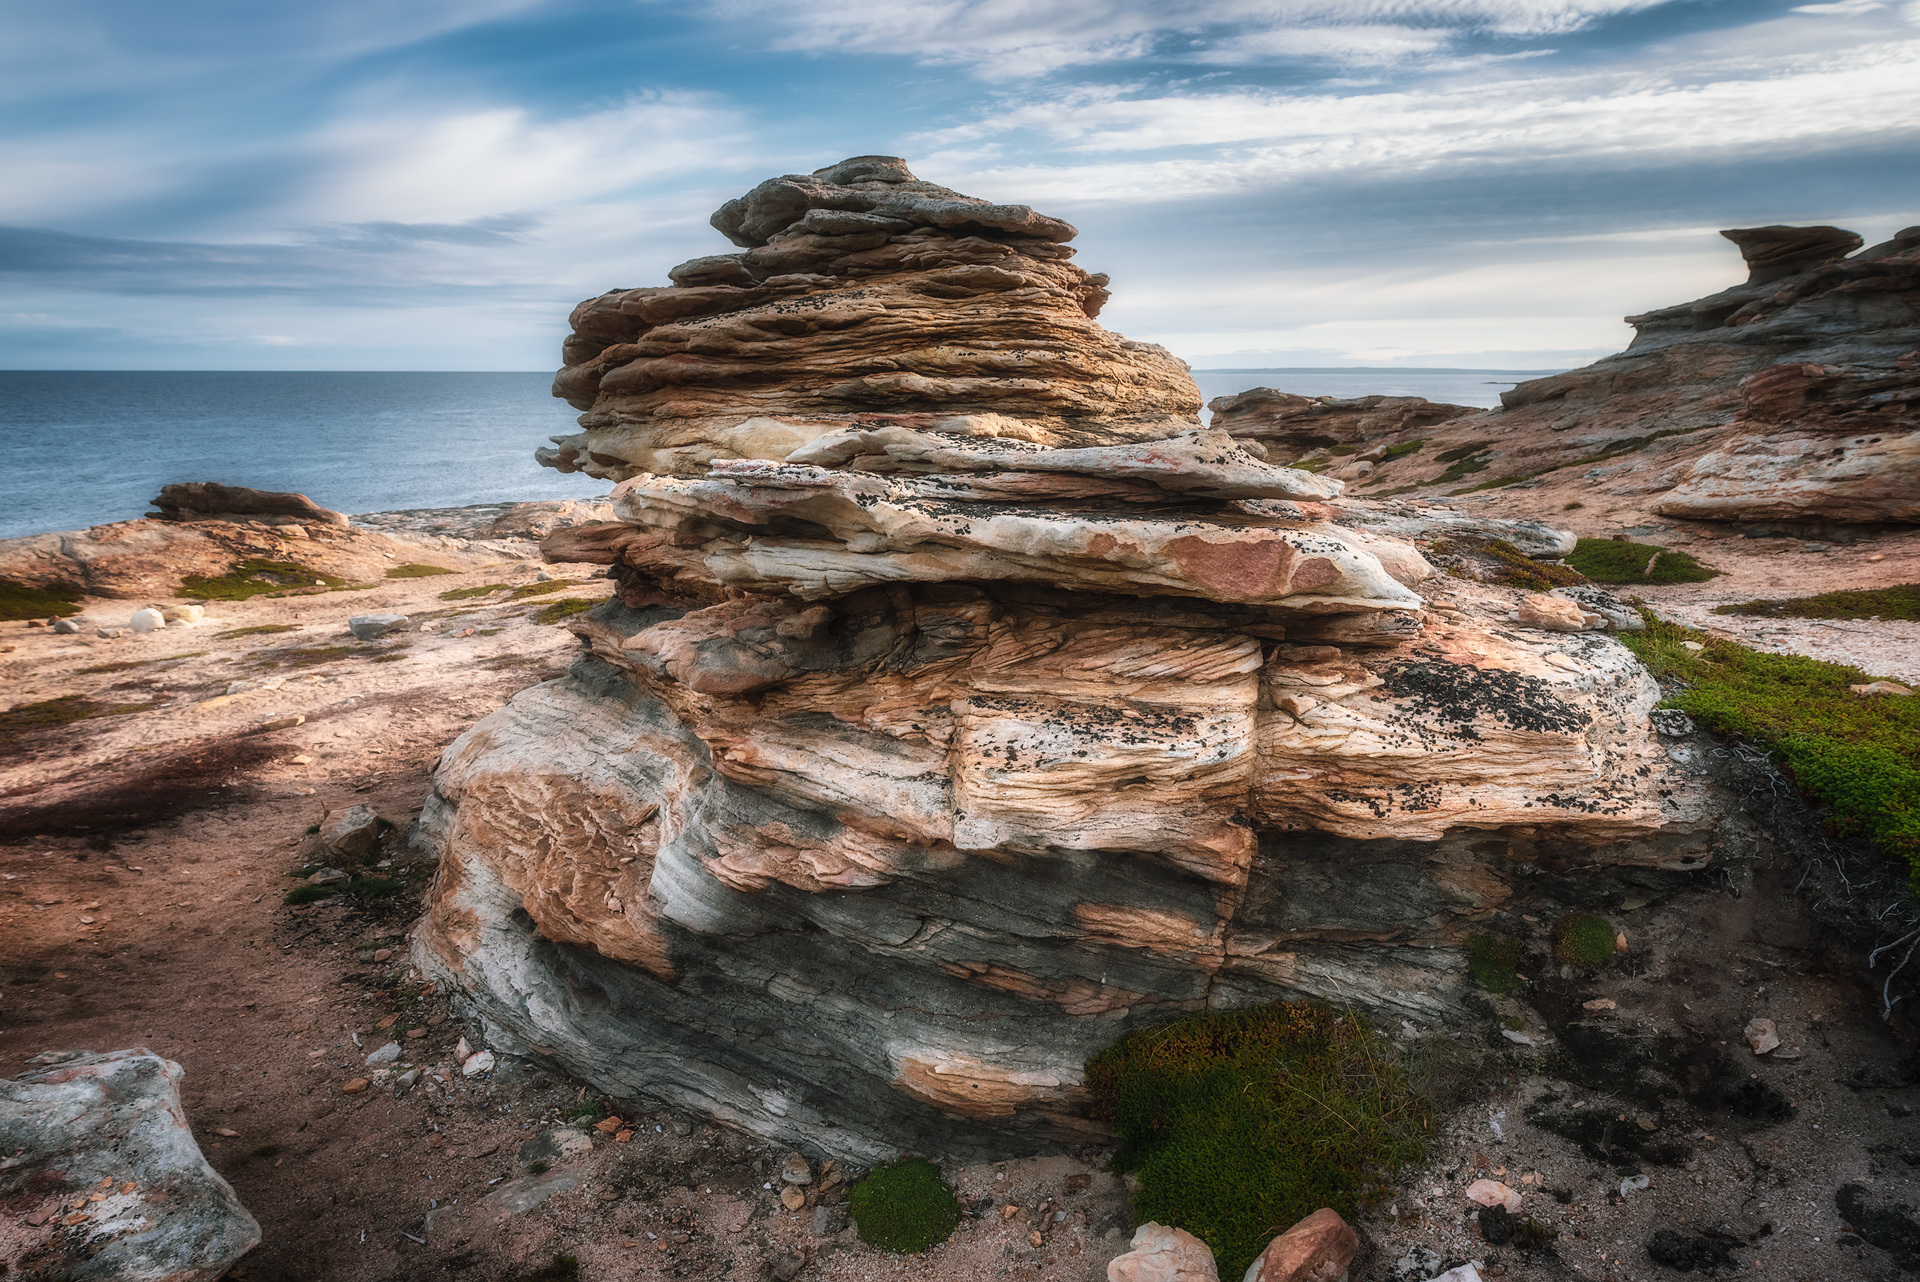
1284, 427
862, 295
102, 1178
917, 764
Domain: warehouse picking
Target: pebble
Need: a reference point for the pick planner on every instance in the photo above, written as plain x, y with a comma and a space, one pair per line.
65, 627
404, 1083
1634, 1184
355, 1086
147, 620
1494, 1193
792, 1198
1873, 688
794, 1170
474, 1065
387, 1054
1600, 1003
371, 627
1761, 1035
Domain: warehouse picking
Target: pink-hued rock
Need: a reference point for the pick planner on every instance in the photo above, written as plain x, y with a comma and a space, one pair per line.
1554, 614
1164, 1254
1317, 1249
1494, 1193
105, 1179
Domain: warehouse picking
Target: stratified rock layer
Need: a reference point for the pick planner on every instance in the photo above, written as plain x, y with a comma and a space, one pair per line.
863, 294
916, 764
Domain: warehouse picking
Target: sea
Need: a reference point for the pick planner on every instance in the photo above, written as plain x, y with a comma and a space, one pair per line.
85, 448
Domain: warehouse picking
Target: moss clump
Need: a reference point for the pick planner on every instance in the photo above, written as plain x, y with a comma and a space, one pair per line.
1859, 756
1403, 449
1574, 506
1463, 468
1459, 452
373, 887
256, 577
1618, 561
1312, 464
307, 894
1584, 940
18, 601
1498, 561
904, 1207
563, 609
1494, 963
417, 571
257, 630
1239, 1123
1902, 602
50, 714
303, 656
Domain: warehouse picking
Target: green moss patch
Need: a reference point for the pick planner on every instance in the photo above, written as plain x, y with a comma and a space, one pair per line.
513, 593
1496, 483
1901, 602
256, 577
904, 1207
51, 714
1239, 1123
1498, 561
56, 601
1618, 561
563, 609
302, 656
417, 571
1861, 757
1404, 448
1494, 963
1463, 468
257, 630
1460, 452
1584, 940
308, 894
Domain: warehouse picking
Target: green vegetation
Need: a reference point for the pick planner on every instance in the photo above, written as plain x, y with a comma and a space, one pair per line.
563, 609
257, 630
1618, 561
302, 656
50, 714
18, 601
373, 887
904, 1207
1574, 506
1341, 451
1494, 963
1312, 464
1459, 452
1239, 1123
1463, 461
1584, 940
386, 658
256, 577
1403, 449
312, 829
307, 894
417, 571
1902, 602
1861, 757
1628, 445
1498, 561
513, 593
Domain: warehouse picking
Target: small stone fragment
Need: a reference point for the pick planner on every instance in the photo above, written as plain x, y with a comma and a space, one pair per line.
1494, 1193
792, 1198
147, 620
383, 1055
1552, 613
1320, 1246
1634, 1184
1600, 1003
1160, 1253
794, 1170
351, 834
1761, 1035
474, 1065
355, 1086
371, 627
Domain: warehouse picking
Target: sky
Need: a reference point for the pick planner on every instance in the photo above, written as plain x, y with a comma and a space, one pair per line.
352, 184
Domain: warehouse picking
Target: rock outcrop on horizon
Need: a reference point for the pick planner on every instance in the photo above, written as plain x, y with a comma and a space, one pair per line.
1792, 397
1284, 427
918, 763
861, 294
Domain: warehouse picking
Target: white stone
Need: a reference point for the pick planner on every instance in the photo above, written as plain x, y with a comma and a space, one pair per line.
474, 1065
1161, 1253
147, 620
384, 1055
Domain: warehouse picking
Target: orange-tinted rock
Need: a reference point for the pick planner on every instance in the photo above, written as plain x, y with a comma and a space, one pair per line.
1317, 1249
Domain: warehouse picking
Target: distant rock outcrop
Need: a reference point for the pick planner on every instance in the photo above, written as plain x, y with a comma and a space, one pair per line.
210, 501
922, 760
862, 294
1283, 427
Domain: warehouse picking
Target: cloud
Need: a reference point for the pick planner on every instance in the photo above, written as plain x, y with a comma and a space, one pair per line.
1193, 145
1005, 39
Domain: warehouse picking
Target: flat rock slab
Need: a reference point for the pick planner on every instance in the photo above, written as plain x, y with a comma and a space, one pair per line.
103, 1179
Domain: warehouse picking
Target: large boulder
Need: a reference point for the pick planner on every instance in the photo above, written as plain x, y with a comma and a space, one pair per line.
102, 1180
209, 500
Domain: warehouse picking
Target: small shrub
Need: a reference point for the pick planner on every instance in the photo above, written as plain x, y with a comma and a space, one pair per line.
903, 1207
1584, 940
1902, 602
19, 601
1574, 506
1859, 756
312, 829
538, 1168
1498, 561
1618, 561
257, 630
1239, 1123
373, 887
308, 894
417, 571
563, 609
253, 577
50, 714
1494, 963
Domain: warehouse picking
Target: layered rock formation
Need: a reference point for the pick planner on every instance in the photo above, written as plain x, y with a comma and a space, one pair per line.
1791, 397
862, 293
920, 762
1283, 427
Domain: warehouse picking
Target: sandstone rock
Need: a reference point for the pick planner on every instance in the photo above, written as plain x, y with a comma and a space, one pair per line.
864, 296
207, 500
1868, 690
517, 1197
167, 1217
1285, 427
561, 1144
65, 627
922, 755
1776, 252
794, 1170
371, 627
1317, 1249
1761, 1035
1494, 1193
1553, 613
1610, 609
184, 613
350, 834
1160, 1253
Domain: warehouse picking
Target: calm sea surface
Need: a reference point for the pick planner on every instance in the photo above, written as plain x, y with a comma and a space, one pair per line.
79, 449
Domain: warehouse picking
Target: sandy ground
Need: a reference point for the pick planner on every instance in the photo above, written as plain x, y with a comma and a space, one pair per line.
145, 856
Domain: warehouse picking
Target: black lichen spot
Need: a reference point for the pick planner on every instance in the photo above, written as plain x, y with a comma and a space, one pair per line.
1457, 695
